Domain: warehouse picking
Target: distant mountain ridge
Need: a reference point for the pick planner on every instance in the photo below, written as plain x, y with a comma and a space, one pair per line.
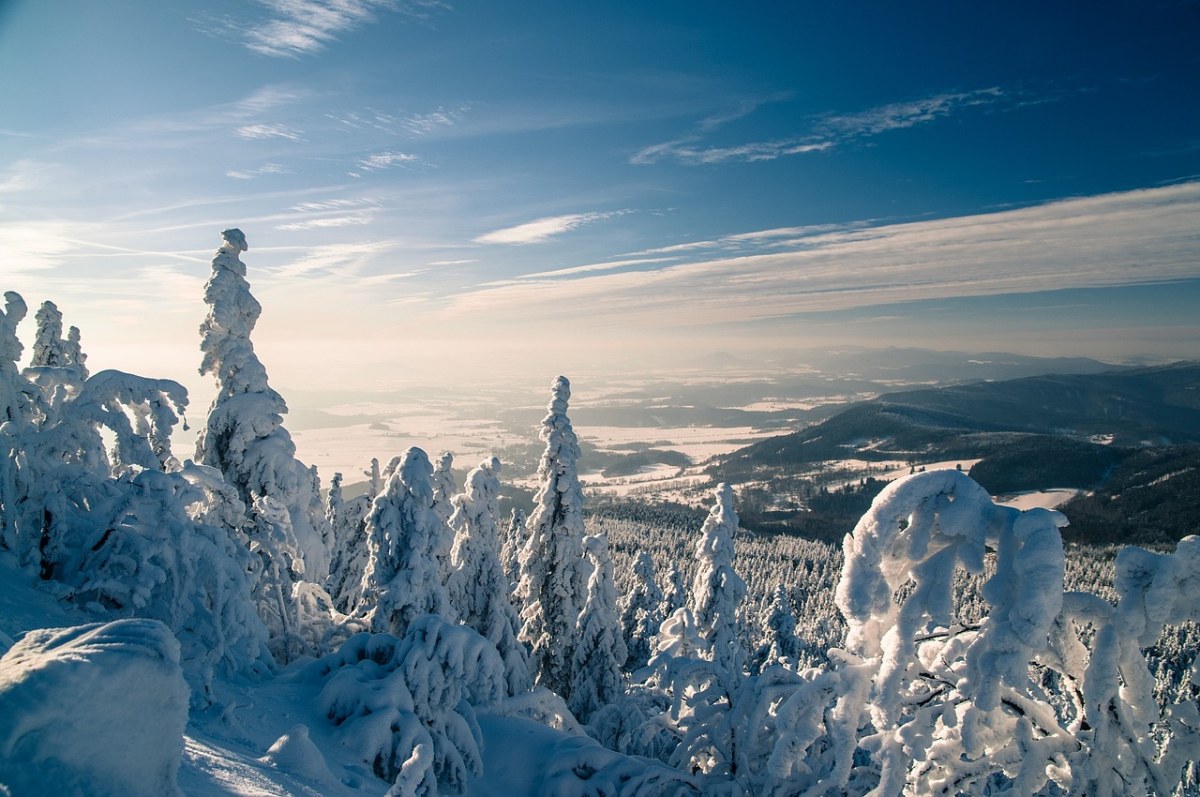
1158, 405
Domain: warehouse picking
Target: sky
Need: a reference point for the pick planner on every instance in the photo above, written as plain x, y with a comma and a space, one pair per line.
448, 191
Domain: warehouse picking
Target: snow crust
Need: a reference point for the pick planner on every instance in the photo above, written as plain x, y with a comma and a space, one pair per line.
95, 709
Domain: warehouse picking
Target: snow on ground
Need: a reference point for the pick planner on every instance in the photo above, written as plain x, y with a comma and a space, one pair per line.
1046, 499
948, 464
349, 449
697, 442
262, 737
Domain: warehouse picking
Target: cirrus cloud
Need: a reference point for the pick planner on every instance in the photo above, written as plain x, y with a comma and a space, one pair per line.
540, 229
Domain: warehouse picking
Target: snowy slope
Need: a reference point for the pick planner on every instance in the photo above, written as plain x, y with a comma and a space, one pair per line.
264, 737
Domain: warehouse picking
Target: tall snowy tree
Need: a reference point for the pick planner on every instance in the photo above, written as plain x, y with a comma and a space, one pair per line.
596, 678
245, 438
477, 585
510, 548
718, 591
641, 613
349, 523
403, 580
444, 489
553, 570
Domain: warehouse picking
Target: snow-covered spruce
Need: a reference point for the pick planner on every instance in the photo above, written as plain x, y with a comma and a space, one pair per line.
402, 580
553, 571
780, 644
596, 677
698, 666
94, 709
50, 348
404, 706
348, 520
477, 585
512, 544
641, 613
244, 437
675, 597
718, 591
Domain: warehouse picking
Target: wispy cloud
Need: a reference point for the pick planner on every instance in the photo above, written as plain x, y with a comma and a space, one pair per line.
296, 28
1116, 239
824, 133
541, 229
387, 160
23, 175
330, 214
250, 174
689, 151
758, 240
423, 124
264, 131
328, 222
34, 246
340, 260
900, 115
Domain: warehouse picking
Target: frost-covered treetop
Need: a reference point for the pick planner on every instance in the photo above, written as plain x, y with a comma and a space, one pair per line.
560, 392
716, 544
15, 309
233, 313
234, 239
561, 457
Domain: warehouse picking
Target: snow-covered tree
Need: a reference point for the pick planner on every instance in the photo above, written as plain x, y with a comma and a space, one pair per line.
402, 580
348, 520
780, 645
641, 613
676, 596
17, 395
50, 349
553, 571
245, 438
477, 585
512, 544
596, 678
1014, 703
406, 705
279, 569
444, 487
717, 590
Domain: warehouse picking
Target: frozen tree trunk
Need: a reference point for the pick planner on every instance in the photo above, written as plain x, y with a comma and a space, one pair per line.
553, 571
245, 438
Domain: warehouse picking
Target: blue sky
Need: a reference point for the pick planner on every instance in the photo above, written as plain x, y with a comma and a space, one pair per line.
439, 188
